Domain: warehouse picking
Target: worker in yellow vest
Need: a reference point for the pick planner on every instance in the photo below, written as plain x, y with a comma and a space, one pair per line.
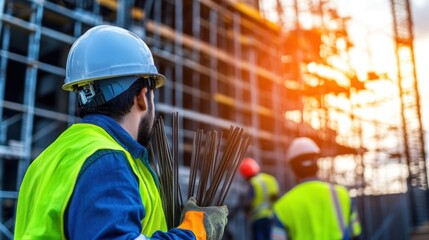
263, 191
94, 181
313, 209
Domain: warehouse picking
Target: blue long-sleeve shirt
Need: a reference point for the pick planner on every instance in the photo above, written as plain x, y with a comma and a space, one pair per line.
106, 202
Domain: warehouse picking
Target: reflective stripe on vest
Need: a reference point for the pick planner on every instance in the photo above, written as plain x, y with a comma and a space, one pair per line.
49, 182
264, 186
338, 212
265, 204
307, 211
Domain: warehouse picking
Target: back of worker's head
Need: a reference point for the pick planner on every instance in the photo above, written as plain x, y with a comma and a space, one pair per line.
107, 66
249, 168
302, 156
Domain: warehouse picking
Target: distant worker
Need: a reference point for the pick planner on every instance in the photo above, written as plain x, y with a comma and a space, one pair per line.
263, 191
94, 181
313, 209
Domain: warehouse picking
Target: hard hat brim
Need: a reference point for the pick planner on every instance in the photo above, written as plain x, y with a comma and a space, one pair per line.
72, 86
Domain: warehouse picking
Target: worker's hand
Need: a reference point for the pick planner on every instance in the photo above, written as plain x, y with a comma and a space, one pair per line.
205, 222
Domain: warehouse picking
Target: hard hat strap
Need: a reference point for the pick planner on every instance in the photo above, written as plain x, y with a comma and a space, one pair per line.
91, 96
86, 93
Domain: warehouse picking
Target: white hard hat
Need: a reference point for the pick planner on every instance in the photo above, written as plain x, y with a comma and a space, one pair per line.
106, 52
301, 146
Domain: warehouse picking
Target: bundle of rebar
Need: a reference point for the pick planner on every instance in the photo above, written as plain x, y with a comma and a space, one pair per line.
167, 169
211, 171
211, 175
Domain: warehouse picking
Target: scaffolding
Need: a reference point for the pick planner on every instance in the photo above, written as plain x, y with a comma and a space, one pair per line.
319, 39
413, 136
225, 65
221, 60
378, 140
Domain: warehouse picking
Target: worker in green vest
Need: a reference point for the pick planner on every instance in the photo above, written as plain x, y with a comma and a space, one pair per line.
313, 209
94, 181
263, 191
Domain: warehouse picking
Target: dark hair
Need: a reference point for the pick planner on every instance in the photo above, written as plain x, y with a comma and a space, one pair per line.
120, 105
303, 170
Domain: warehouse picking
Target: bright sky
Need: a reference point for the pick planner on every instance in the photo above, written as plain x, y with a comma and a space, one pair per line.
371, 31
372, 28
421, 18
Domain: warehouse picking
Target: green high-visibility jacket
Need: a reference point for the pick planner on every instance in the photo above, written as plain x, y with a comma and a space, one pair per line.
264, 186
309, 211
49, 182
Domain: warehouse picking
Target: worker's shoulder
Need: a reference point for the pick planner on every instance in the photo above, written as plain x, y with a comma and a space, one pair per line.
340, 187
104, 159
342, 191
267, 176
307, 187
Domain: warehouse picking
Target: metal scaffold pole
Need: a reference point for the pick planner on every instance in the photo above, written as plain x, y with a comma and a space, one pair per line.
413, 136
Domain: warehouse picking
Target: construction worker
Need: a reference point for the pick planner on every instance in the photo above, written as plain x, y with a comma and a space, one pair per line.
263, 191
94, 181
313, 209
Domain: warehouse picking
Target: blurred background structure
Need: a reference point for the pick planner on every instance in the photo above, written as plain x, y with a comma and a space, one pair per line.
278, 69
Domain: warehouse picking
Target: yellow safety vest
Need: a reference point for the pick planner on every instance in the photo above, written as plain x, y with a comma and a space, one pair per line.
49, 182
310, 211
264, 186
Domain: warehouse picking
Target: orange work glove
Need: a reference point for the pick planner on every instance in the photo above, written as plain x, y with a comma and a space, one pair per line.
205, 222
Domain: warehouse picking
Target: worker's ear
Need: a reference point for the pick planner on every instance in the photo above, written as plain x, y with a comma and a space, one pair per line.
141, 99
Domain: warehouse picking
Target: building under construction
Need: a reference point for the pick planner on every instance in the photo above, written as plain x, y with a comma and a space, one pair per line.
227, 64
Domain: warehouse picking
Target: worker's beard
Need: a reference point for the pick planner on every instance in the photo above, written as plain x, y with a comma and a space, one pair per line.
146, 126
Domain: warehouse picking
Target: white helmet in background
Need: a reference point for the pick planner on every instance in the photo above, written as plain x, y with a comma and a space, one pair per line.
301, 146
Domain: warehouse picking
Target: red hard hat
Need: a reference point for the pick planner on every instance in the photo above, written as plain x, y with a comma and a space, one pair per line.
249, 167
